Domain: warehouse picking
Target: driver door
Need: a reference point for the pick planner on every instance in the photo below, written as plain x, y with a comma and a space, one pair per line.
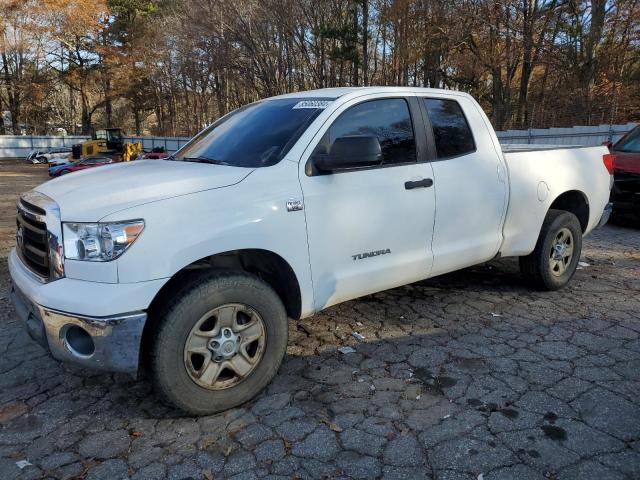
370, 229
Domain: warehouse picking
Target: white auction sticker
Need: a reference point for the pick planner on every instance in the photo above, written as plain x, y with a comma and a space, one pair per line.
312, 104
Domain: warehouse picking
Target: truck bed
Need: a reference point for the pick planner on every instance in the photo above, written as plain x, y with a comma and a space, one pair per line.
538, 174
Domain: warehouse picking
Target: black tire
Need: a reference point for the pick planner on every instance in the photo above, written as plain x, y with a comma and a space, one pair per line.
202, 293
536, 267
65, 171
41, 159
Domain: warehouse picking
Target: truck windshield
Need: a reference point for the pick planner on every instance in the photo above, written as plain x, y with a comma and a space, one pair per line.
257, 135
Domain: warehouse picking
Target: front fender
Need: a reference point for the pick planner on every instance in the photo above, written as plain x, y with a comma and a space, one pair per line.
249, 215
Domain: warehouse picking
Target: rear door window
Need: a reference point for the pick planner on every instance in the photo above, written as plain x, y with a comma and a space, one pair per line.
451, 130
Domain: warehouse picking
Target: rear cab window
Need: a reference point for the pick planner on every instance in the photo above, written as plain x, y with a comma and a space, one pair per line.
451, 131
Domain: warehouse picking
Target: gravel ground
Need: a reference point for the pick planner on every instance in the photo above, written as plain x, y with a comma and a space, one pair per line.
466, 376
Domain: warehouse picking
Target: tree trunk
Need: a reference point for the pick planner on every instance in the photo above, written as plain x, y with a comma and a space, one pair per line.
589, 64
354, 48
138, 120
108, 107
86, 117
365, 42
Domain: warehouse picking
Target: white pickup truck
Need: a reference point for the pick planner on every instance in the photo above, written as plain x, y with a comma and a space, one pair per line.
189, 266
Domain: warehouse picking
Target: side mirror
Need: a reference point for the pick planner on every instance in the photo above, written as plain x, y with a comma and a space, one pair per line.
348, 153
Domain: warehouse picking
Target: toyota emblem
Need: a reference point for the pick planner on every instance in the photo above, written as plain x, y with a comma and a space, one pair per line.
19, 237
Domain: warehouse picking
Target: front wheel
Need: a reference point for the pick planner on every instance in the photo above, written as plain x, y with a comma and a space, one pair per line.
554, 260
220, 342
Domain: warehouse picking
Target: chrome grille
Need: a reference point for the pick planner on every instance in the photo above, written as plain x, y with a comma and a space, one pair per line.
31, 239
37, 236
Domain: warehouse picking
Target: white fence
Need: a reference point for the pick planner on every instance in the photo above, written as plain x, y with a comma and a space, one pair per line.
14, 146
584, 135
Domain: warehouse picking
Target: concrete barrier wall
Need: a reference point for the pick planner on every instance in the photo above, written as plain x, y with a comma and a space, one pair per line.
579, 135
12, 146
19, 146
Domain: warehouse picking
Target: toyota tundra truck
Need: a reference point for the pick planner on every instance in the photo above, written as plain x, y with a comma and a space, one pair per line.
188, 268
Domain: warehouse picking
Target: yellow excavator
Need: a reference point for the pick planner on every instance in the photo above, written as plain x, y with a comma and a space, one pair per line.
108, 142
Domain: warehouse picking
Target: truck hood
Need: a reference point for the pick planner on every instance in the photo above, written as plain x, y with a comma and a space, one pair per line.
89, 195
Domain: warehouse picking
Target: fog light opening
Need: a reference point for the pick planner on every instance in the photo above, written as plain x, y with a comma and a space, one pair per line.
79, 341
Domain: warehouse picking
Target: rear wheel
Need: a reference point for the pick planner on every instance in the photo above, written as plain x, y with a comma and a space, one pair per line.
554, 260
220, 342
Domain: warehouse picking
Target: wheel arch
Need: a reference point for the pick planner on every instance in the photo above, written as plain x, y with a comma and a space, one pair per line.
265, 264
576, 202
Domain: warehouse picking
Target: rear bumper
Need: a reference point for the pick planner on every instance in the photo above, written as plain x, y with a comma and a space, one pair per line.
606, 213
103, 343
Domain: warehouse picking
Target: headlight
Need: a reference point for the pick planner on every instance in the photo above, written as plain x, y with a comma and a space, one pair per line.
99, 242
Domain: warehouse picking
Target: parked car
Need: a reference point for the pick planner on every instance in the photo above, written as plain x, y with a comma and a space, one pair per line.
625, 193
82, 164
155, 153
54, 162
49, 155
191, 265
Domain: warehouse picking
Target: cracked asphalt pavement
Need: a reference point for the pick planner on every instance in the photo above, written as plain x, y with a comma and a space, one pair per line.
467, 376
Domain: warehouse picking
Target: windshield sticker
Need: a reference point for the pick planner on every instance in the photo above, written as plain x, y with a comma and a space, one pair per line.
312, 104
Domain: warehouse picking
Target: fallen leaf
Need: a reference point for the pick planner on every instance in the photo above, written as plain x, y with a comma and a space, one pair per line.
335, 428
12, 411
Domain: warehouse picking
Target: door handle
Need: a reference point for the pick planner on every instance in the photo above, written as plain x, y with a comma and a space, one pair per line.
424, 183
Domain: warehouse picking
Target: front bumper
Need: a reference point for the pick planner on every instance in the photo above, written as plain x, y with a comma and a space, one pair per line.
115, 338
104, 343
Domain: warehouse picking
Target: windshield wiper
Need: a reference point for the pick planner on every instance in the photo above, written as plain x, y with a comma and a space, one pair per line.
213, 161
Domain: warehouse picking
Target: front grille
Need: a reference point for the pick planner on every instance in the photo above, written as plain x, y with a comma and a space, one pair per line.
32, 239
31, 207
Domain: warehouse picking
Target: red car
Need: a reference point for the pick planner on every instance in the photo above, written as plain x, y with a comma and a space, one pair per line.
625, 193
156, 154
81, 164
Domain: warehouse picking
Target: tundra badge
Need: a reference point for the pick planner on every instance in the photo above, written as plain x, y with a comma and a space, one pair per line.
360, 256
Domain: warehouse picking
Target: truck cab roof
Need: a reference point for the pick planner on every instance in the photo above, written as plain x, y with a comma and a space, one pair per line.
333, 93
